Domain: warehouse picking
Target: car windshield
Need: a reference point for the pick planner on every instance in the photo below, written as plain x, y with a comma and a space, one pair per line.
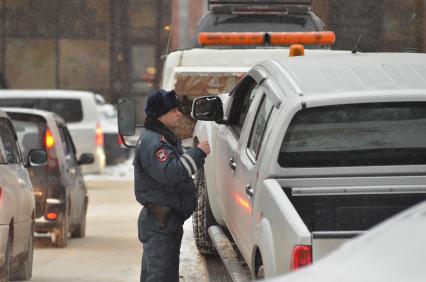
254, 23
69, 109
356, 135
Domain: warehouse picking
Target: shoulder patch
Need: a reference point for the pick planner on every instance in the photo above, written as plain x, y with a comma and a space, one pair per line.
162, 155
163, 139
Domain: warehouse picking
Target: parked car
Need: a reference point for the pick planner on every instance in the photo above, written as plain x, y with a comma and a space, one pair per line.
390, 252
17, 208
59, 188
308, 152
77, 108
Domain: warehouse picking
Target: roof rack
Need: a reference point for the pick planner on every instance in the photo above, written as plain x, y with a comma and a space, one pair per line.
236, 6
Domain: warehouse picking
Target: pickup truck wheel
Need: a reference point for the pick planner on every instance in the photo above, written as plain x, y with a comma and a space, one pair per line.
202, 217
60, 235
259, 268
23, 268
5, 268
79, 231
260, 273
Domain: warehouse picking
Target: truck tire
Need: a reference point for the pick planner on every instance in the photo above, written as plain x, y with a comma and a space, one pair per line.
79, 231
23, 269
202, 217
61, 234
5, 269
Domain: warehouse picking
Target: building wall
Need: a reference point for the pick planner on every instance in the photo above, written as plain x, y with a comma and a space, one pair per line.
51, 44
111, 47
384, 25
185, 14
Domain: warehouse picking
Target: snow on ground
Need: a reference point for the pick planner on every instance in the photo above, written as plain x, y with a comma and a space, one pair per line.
192, 264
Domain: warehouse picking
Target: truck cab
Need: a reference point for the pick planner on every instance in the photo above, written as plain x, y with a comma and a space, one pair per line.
258, 16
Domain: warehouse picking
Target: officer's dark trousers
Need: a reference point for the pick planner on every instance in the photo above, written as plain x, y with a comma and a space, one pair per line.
161, 247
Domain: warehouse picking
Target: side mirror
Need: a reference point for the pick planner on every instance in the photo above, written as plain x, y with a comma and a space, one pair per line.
207, 108
126, 117
37, 157
86, 158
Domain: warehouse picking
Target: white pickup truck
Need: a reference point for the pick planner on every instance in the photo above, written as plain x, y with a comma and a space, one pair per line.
310, 151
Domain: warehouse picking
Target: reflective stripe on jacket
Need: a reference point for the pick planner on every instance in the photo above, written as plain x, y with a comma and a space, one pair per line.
163, 173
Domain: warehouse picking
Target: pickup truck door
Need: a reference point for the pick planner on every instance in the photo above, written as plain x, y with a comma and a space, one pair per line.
246, 174
227, 145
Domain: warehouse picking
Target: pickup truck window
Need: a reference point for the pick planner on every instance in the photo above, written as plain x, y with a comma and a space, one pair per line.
258, 130
243, 96
356, 135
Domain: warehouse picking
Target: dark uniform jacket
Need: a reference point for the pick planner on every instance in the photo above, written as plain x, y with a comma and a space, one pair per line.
163, 172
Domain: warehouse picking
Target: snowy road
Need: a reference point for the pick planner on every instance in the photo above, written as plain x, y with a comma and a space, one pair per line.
110, 251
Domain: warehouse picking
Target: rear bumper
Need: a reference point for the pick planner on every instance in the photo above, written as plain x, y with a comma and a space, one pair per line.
43, 225
4, 234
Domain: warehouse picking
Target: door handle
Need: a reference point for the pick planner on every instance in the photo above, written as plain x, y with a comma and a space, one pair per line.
232, 164
249, 190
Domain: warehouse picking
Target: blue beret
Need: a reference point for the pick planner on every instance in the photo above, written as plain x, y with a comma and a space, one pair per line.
160, 102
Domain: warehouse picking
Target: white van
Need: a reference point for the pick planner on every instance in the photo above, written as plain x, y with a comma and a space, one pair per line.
77, 108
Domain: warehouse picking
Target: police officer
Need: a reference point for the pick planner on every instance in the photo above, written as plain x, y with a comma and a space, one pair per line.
164, 186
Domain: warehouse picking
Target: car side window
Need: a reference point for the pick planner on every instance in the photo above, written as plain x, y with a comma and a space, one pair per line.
65, 145
70, 143
244, 95
9, 150
66, 141
259, 126
2, 153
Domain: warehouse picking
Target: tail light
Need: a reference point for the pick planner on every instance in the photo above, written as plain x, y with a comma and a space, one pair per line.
49, 141
99, 135
52, 216
301, 256
49, 145
119, 141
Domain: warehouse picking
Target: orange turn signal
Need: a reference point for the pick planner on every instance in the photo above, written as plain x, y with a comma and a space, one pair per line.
296, 50
52, 216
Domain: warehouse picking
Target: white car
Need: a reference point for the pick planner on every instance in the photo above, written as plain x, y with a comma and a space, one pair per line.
309, 151
17, 207
77, 108
115, 151
391, 252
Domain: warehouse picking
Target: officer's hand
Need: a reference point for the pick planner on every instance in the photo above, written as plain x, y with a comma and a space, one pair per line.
204, 146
